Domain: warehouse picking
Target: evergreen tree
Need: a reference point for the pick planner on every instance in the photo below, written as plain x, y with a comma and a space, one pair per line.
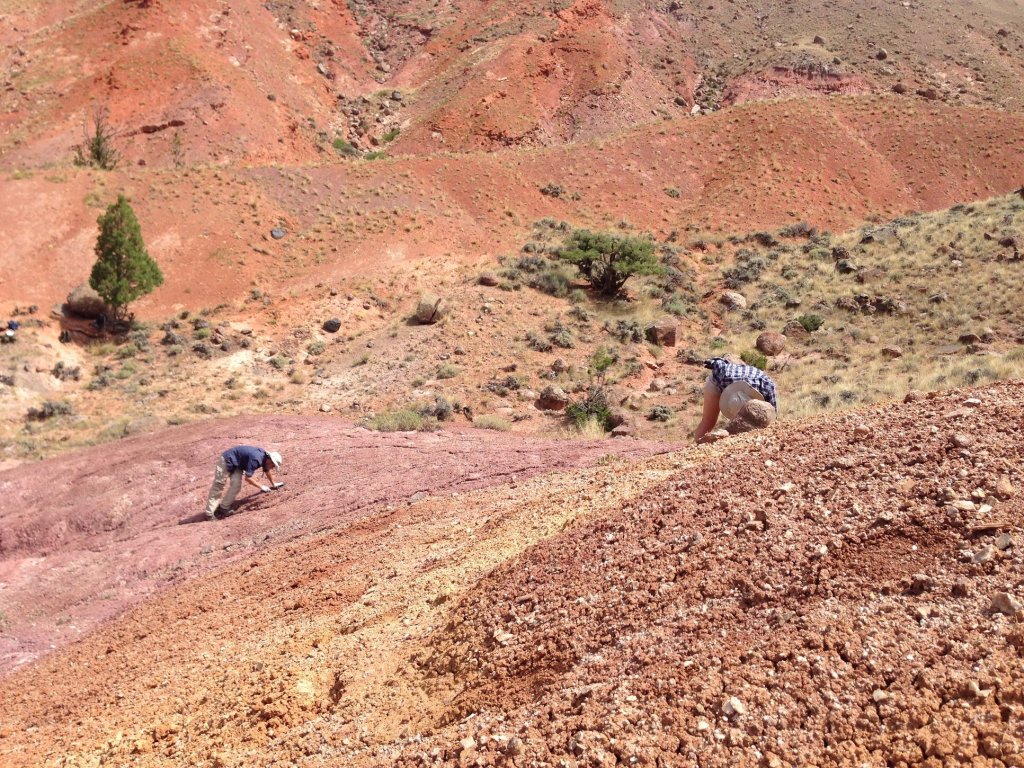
123, 270
608, 260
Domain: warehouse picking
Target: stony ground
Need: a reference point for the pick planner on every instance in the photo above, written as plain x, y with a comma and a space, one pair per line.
839, 592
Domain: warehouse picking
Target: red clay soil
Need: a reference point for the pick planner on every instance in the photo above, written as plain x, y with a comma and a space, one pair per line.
820, 596
86, 535
841, 592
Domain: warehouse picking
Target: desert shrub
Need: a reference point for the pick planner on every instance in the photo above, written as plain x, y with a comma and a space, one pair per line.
48, 410
487, 421
502, 387
811, 323
676, 305
579, 313
766, 239
553, 280
626, 331
66, 372
316, 347
607, 261
602, 360
97, 148
659, 413
594, 406
577, 296
279, 361
673, 192
552, 190
391, 135
402, 420
754, 358
447, 371
440, 409
748, 268
201, 333
561, 335
537, 342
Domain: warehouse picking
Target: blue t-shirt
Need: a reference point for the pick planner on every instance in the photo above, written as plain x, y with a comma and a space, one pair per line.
244, 457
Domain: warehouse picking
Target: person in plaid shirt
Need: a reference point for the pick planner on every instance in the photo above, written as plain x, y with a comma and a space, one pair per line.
728, 387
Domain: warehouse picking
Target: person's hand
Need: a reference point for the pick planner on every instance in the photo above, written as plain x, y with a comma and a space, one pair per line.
265, 488
278, 485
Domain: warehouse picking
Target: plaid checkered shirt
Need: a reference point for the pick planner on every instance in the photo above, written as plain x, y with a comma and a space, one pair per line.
725, 373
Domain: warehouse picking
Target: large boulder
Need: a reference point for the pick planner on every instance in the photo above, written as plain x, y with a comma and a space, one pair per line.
85, 302
755, 414
771, 343
733, 300
333, 325
795, 330
553, 398
663, 332
430, 309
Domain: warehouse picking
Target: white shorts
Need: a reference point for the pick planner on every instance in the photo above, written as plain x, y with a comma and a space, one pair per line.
733, 397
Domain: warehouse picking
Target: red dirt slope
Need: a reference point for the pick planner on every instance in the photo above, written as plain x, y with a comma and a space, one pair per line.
809, 596
86, 535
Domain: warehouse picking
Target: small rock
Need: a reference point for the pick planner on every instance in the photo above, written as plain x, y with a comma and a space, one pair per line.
1003, 541
332, 326
921, 582
881, 54
892, 352
733, 706
972, 402
819, 40
658, 384
984, 555
468, 743
961, 588
862, 432
1004, 602
488, 278
879, 696
913, 396
1004, 488
277, 233
325, 408
715, 435
960, 440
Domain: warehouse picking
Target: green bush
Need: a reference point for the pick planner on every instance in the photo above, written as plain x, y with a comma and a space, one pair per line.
391, 135
607, 261
593, 406
402, 420
553, 281
316, 347
659, 413
447, 371
755, 358
811, 323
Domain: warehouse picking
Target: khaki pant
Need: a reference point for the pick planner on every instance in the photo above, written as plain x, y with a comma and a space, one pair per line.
221, 477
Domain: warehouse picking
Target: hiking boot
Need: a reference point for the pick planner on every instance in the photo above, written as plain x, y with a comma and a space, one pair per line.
221, 513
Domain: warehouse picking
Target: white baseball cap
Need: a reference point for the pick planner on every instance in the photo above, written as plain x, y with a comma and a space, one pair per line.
275, 458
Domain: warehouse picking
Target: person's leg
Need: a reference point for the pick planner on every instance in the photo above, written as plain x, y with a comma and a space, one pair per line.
233, 489
710, 416
220, 479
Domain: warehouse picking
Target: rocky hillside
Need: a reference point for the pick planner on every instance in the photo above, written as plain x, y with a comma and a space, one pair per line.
844, 591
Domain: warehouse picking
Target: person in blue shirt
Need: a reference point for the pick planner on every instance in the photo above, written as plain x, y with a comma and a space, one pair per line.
234, 464
728, 387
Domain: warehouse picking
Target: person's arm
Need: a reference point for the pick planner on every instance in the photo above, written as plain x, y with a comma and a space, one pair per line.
254, 484
710, 417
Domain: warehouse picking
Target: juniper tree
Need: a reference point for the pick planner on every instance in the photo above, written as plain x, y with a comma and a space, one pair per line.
123, 270
607, 261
